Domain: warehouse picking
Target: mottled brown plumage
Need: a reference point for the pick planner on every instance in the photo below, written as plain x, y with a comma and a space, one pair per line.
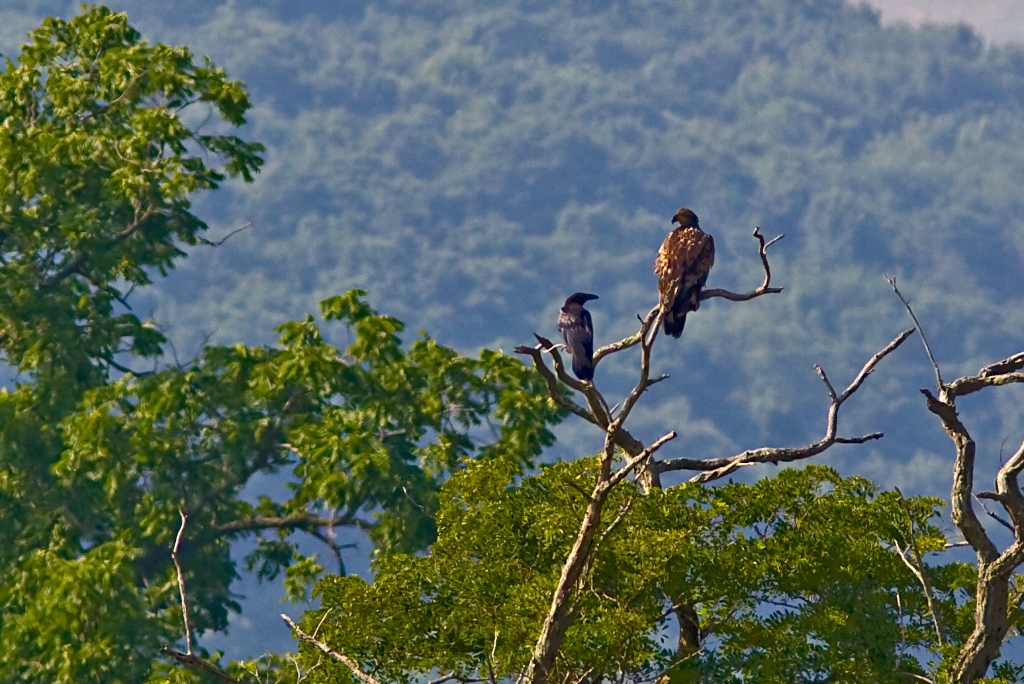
683, 264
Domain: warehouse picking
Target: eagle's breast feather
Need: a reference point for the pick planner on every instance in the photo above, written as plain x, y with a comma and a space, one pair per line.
685, 257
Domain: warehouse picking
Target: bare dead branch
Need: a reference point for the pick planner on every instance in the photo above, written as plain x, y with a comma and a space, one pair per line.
623, 438
195, 663
1009, 490
918, 568
648, 334
340, 657
181, 581
964, 516
580, 558
639, 460
716, 468
992, 514
218, 243
828, 385
995, 570
627, 342
559, 616
308, 523
924, 340
1004, 367
973, 383
764, 288
551, 382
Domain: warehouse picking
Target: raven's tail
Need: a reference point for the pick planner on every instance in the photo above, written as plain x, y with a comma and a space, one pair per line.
583, 368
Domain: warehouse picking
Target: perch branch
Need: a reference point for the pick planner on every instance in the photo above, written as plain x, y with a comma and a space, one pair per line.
763, 289
551, 382
765, 286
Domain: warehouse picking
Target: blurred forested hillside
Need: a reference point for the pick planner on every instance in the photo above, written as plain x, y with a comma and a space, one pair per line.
473, 163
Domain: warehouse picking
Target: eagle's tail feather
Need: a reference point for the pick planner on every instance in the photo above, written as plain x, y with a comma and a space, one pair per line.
674, 324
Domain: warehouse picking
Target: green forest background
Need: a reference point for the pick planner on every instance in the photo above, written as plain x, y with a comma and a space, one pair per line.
473, 163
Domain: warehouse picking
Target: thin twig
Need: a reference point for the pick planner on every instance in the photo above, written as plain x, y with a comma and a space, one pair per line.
992, 514
218, 243
764, 288
924, 340
340, 657
181, 582
920, 570
919, 574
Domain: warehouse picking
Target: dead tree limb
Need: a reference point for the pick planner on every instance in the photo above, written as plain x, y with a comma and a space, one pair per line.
340, 657
197, 664
765, 286
188, 658
924, 340
716, 468
559, 615
995, 569
181, 581
639, 459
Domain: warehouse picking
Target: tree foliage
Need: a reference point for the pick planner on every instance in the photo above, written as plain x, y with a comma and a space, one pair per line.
795, 576
100, 165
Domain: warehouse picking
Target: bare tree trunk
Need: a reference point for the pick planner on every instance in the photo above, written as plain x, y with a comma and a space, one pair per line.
995, 570
559, 616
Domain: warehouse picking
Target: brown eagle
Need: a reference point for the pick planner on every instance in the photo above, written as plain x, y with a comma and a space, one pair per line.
682, 267
578, 332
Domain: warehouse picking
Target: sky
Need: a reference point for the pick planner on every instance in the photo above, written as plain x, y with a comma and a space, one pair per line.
998, 21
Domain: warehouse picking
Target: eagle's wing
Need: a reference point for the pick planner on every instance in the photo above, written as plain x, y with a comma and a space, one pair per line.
685, 257
702, 264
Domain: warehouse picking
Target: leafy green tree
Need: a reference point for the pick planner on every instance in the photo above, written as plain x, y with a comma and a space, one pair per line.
101, 463
795, 577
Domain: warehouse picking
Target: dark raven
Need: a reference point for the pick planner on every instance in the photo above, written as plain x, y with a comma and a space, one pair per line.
684, 261
578, 332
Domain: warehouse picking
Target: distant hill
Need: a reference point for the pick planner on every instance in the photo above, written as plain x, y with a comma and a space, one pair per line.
473, 163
